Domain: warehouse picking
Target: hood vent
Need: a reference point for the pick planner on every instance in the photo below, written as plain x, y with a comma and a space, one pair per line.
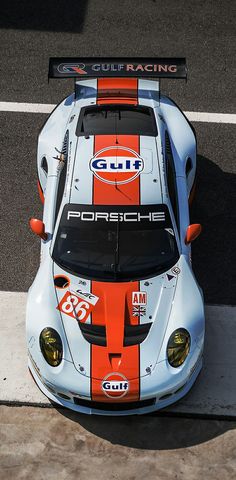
136, 334
95, 334
133, 334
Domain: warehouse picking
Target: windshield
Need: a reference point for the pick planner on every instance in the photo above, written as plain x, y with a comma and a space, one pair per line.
115, 243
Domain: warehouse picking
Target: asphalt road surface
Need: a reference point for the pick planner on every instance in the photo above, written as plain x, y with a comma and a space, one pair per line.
205, 34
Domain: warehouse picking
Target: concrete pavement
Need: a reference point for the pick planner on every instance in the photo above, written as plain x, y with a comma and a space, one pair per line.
48, 444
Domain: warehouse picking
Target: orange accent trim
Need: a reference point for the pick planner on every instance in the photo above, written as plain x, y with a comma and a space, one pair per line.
114, 310
38, 227
41, 195
64, 276
193, 231
117, 90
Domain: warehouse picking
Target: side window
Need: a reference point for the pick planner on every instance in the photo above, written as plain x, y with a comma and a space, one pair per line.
171, 178
188, 167
44, 165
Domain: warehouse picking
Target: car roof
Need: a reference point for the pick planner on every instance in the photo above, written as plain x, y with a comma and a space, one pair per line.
115, 169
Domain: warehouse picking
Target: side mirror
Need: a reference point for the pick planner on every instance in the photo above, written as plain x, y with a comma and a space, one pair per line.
38, 227
192, 232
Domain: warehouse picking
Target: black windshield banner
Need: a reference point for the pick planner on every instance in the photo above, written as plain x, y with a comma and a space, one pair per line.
84, 67
145, 214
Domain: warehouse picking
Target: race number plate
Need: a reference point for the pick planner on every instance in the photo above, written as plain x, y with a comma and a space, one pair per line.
78, 306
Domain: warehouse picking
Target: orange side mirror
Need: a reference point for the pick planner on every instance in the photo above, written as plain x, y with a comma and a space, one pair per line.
192, 232
38, 227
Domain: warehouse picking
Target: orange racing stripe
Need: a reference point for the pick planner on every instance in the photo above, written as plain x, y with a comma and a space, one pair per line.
114, 307
114, 310
120, 194
117, 90
41, 195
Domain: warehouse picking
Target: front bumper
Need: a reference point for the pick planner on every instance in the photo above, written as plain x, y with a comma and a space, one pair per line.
78, 403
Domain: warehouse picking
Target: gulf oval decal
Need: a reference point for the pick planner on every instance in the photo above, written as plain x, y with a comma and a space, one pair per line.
115, 385
116, 165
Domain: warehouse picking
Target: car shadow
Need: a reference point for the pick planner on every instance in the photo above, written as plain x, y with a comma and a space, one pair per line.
42, 15
150, 432
214, 253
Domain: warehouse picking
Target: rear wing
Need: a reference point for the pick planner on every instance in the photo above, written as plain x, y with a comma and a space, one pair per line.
87, 67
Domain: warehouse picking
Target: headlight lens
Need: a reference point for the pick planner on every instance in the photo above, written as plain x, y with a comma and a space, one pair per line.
51, 346
178, 347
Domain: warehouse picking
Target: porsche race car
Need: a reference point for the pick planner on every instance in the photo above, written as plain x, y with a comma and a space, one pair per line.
115, 317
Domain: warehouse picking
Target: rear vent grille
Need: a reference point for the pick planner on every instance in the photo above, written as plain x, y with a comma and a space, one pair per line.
136, 334
95, 334
169, 154
65, 145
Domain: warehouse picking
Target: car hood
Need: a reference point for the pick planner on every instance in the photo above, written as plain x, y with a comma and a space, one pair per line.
115, 327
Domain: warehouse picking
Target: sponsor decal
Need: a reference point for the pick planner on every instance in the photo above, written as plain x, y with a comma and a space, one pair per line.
116, 165
139, 298
115, 385
81, 69
170, 276
170, 231
77, 305
139, 302
72, 68
175, 270
87, 296
94, 216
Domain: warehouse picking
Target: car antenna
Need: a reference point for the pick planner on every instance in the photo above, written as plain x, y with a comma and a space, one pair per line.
121, 191
116, 130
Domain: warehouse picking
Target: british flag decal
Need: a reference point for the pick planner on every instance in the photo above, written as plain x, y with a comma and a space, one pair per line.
139, 311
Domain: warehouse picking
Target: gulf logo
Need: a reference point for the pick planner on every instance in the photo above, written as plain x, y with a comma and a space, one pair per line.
116, 165
115, 385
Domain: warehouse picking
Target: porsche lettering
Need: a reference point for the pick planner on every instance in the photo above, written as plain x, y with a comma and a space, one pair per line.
116, 216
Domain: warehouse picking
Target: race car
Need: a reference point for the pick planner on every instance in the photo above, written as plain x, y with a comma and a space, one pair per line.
115, 317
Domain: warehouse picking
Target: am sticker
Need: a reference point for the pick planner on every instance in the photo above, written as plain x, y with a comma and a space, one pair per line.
139, 298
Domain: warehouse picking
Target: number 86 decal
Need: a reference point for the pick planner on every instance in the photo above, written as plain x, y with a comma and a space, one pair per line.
74, 306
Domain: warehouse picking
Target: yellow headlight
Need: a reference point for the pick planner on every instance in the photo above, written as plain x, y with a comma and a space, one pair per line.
178, 347
51, 346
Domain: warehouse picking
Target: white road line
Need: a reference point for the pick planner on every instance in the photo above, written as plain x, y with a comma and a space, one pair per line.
211, 117
47, 108
26, 107
214, 392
